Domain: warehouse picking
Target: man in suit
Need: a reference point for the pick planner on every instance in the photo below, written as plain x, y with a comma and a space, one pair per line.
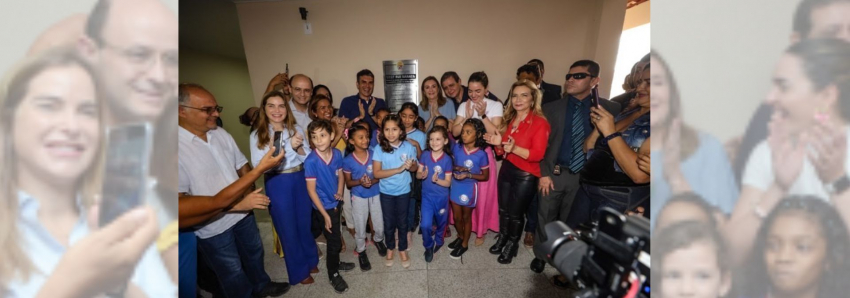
531, 72
569, 118
552, 89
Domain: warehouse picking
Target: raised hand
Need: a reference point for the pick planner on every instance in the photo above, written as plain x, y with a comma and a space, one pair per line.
509, 145
254, 200
494, 139
296, 141
268, 161
422, 173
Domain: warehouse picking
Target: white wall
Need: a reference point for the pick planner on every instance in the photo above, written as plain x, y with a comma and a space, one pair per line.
465, 36
722, 54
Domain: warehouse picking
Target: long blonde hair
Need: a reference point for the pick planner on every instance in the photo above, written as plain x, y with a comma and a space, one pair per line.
15, 261
536, 98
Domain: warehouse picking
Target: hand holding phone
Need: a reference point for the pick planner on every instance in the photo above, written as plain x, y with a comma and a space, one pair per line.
276, 143
594, 96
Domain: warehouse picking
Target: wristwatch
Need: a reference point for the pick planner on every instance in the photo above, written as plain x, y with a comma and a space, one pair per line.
838, 186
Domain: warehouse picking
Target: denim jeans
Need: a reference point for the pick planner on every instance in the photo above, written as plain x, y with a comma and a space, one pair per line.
394, 209
236, 257
590, 199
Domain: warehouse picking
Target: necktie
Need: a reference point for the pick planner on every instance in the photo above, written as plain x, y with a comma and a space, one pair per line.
577, 159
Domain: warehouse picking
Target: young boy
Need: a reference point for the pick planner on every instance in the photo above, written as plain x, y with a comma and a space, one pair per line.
323, 170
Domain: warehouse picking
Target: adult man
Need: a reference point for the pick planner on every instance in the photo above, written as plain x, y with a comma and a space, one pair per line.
631, 83
362, 105
531, 72
553, 89
458, 93
302, 92
209, 161
564, 158
134, 48
812, 19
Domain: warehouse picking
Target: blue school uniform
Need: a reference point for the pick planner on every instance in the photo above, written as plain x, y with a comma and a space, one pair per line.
357, 168
397, 184
465, 192
418, 136
435, 198
325, 173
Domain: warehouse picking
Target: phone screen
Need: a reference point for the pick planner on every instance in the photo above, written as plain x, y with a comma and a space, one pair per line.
126, 170
276, 143
594, 96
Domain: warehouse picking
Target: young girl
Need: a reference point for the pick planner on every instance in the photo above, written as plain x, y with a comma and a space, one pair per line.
390, 160
442, 121
379, 118
365, 199
436, 170
690, 261
801, 251
323, 171
470, 166
408, 114
291, 216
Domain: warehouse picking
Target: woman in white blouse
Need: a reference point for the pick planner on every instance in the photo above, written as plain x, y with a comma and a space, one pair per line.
290, 206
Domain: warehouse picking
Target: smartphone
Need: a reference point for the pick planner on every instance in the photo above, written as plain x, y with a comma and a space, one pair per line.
287, 68
276, 143
126, 170
594, 97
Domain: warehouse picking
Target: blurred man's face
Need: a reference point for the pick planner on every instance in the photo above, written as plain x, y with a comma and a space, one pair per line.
137, 60
365, 85
452, 88
831, 21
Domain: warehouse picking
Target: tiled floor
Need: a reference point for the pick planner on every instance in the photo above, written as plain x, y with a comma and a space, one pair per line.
479, 275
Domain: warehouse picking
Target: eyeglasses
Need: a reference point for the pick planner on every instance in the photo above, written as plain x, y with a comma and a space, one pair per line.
208, 110
144, 57
579, 76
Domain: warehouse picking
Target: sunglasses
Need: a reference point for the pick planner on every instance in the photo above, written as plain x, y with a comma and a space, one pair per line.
579, 76
208, 110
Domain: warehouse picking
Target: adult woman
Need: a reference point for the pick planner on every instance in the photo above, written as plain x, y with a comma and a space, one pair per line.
51, 132
806, 149
686, 159
611, 177
433, 103
486, 215
291, 214
324, 90
523, 135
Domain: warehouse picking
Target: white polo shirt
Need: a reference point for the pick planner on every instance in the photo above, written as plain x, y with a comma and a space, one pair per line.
301, 119
205, 168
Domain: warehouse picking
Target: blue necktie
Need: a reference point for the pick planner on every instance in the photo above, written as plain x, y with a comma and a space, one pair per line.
577, 159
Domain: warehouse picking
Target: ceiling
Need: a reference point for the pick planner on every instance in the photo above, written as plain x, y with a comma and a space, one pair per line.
211, 26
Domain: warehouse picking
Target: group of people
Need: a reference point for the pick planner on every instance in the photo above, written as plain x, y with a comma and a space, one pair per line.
422, 167
785, 233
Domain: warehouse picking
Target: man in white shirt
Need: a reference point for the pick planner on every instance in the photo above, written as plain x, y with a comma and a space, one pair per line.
302, 92
209, 161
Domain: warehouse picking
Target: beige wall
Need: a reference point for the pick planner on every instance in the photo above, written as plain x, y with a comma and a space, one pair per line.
637, 16
227, 79
464, 36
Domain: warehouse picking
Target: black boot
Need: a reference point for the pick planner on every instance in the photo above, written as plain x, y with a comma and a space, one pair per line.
510, 250
503, 236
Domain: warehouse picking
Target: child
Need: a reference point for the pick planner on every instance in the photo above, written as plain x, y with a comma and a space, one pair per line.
470, 166
409, 113
436, 169
391, 159
442, 121
380, 114
690, 261
801, 251
365, 199
324, 184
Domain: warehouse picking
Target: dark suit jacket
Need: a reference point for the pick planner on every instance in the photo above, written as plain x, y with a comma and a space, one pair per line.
556, 113
551, 92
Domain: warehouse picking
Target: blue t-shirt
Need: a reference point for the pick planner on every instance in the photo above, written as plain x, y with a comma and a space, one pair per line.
325, 173
465, 192
374, 141
397, 184
418, 136
357, 169
442, 166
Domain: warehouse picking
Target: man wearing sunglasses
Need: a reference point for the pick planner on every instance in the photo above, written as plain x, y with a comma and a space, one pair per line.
569, 119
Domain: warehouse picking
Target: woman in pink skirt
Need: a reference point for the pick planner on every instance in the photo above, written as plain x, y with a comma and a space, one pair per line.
486, 215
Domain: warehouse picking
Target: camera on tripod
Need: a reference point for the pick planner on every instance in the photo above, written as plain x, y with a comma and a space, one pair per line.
609, 259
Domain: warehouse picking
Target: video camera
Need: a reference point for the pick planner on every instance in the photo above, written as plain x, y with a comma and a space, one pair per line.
608, 259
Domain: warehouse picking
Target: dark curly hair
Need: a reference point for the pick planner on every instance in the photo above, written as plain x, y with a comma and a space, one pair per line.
357, 126
833, 230
479, 132
382, 140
